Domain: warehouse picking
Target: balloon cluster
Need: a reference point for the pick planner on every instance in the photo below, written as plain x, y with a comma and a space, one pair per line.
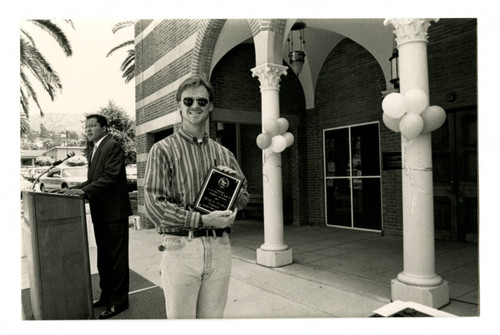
275, 136
411, 114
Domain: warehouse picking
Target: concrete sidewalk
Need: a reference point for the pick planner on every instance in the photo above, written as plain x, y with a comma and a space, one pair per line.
336, 272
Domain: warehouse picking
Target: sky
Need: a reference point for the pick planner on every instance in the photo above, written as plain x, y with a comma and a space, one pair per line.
89, 78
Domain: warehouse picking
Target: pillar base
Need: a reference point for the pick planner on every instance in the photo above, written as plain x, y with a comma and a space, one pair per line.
274, 259
432, 296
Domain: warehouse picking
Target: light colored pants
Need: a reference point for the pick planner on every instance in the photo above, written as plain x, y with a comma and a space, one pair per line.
195, 274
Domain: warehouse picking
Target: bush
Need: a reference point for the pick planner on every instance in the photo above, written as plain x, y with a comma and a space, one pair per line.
77, 161
44, 160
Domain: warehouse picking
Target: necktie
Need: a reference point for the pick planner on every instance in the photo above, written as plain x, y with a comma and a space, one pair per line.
93, 153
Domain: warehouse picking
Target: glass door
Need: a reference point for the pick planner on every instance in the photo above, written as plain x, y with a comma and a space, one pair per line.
352, 177
454, 165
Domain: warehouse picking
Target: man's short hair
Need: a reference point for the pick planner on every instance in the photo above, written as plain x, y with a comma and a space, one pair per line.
195, 81
103, 122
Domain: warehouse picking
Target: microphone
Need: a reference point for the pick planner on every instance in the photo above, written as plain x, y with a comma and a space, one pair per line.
70, 154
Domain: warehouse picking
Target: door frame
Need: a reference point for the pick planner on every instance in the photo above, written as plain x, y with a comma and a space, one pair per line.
351, 177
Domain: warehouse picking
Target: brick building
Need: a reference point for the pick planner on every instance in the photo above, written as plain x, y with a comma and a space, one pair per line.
335, 99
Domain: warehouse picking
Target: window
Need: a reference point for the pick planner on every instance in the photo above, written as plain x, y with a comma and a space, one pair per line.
54, 173
352, 177
160, 135
75, 172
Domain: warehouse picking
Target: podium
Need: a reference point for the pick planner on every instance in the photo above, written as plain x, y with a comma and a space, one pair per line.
55, 233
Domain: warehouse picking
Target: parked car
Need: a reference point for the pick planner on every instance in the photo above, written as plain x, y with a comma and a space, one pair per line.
34, 172
63, 177
26, 185
25, 171
131, 177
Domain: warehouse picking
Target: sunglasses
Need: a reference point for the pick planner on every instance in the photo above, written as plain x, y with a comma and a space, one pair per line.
188, 102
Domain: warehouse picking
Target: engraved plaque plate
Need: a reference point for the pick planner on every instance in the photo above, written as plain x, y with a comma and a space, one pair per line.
219, 192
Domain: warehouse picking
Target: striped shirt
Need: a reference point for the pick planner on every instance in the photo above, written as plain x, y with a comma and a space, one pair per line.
175, 171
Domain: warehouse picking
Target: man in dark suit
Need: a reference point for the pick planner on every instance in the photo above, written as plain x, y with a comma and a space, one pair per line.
106, 191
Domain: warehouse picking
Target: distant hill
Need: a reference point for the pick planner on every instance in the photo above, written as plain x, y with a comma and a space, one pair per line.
58, 122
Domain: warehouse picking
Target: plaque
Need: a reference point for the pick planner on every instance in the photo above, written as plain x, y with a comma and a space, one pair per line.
219, 191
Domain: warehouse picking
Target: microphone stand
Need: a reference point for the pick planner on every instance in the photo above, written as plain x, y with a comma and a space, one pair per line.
41, 174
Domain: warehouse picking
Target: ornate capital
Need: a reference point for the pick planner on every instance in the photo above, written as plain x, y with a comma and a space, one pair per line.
410, 30
269, 75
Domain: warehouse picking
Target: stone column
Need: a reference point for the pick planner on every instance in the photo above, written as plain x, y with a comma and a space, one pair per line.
418, 282
274, 252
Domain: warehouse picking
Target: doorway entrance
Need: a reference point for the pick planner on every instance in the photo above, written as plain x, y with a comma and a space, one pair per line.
352, 177
454, 156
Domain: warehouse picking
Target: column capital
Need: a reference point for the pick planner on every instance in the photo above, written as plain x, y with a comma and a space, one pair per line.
410, 30
269, 75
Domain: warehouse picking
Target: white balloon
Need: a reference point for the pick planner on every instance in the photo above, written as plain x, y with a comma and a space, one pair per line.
392, 124
416, 101
394, 105
434, 117
283, 125
272, 127
278, 144
411, 125
289, 138
263, 141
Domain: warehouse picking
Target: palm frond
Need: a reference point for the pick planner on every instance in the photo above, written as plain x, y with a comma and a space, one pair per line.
130, 59
70, 22
122, 24
24, 123
32, 59
56, 33
30, 93
129, 73
28, 36
128, 65
34, 65
24, 102
124, 44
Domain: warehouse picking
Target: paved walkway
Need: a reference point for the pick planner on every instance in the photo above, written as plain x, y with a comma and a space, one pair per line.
336, 272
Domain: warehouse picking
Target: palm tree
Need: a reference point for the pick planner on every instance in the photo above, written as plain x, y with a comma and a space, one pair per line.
128, 65
24, 123
35, 66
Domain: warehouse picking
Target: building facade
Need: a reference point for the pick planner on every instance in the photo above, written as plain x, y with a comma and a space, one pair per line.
345, 166
28, 157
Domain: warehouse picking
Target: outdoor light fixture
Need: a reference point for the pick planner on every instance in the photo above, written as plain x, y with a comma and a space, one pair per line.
296, 57
394, 66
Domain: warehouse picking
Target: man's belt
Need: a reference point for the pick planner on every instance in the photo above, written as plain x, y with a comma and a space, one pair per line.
201, 232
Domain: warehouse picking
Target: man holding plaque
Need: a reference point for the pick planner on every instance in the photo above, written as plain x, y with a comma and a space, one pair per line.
193, 188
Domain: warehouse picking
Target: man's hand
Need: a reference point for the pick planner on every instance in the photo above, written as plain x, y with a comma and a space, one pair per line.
73, 191
219, 219
227, 170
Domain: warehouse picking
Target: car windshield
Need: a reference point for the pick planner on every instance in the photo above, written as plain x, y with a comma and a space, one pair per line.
75, 172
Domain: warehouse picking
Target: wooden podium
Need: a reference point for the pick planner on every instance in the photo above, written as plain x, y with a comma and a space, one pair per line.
55, 233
